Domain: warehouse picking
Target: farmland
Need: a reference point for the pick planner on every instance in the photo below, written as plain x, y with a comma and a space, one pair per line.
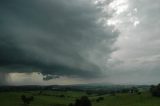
63, 98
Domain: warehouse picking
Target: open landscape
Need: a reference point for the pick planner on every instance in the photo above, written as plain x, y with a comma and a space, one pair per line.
67, 96
79, 52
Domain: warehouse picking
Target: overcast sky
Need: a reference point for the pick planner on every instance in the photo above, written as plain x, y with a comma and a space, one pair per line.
79, 41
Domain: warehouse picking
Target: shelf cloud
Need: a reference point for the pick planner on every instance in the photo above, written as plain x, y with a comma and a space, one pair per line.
54, 37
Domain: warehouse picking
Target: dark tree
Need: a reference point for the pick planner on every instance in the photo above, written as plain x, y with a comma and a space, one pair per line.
77, 102
62, 96
139, 93
99, 99
84, 101
23, 98
155, 90
26, 100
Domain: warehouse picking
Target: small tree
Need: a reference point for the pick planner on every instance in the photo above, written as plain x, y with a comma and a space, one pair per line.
84, 101
23, 98
26, 100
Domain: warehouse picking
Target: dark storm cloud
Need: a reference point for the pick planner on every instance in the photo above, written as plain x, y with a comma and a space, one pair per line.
54, 37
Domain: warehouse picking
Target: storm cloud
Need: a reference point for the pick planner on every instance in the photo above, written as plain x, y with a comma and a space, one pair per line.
55, 37
79, 41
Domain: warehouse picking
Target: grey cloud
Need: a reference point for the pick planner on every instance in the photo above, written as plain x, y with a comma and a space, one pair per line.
139, 45
54, 37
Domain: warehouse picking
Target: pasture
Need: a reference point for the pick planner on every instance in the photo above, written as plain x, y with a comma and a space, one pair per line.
63, 98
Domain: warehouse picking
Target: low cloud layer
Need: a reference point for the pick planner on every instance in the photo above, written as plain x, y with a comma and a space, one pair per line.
54, 37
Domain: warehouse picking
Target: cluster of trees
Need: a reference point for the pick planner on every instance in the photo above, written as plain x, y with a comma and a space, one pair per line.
132, 90
135, 90
27, 100
83, 101
155, 90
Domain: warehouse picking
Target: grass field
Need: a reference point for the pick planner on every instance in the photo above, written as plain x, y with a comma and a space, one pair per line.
51, 98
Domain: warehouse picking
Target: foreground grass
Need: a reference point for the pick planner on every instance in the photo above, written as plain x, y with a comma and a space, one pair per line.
49, 98
129, 100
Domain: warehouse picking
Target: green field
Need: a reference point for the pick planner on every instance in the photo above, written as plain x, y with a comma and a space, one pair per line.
51, 98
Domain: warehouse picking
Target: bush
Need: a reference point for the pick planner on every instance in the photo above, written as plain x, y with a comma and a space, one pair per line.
99, 99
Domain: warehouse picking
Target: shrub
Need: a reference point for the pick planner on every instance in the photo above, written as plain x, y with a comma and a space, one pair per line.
99, 99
